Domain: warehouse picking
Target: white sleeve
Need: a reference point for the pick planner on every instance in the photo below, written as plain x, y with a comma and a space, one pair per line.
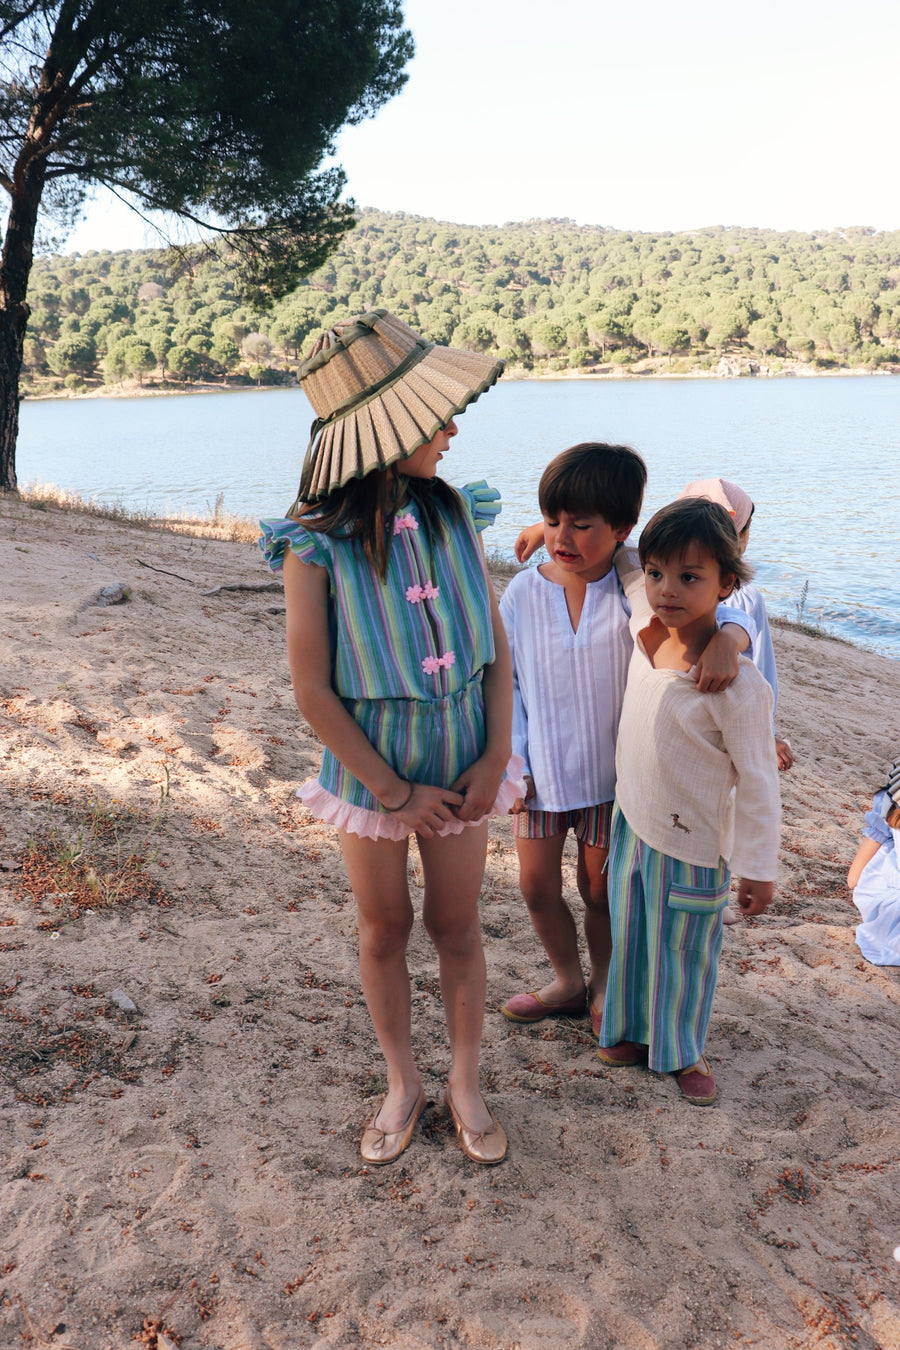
627, 563
726, 613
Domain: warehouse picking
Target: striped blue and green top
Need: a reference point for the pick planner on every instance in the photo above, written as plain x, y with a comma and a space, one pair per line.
425, 631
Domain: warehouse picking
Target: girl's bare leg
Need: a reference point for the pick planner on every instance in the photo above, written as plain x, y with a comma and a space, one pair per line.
376, 869
597, 931
454, 870
540, 881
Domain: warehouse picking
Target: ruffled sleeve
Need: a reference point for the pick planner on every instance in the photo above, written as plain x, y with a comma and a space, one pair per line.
484, 503
876, 827
280, 535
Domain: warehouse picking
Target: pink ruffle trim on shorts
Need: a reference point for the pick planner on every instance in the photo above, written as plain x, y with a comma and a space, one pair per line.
383, 825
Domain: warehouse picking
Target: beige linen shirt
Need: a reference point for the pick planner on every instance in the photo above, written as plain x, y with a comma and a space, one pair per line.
697, 776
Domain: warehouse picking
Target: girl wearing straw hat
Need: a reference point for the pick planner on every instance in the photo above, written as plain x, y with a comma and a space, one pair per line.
400, 665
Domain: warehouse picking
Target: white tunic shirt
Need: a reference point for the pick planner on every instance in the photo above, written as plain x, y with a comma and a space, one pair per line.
568, 687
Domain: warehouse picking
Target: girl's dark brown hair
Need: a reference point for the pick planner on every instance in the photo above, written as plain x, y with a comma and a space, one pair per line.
695, 520
364, 509
596, 479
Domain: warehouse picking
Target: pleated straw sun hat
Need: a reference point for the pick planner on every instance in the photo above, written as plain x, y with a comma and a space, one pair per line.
380, 391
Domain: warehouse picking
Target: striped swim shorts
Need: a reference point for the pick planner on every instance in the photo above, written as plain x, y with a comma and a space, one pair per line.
590, 824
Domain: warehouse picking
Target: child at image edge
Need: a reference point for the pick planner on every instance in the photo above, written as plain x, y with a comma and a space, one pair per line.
568, 627
874, 877
677, 826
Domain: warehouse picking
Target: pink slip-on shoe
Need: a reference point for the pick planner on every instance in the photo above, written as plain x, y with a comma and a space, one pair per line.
697, 1084
532, 1008
624, 1054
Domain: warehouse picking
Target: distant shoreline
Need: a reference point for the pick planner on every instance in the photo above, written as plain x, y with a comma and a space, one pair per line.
795, 370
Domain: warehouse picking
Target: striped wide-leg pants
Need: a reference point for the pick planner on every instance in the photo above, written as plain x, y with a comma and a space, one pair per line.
667, 934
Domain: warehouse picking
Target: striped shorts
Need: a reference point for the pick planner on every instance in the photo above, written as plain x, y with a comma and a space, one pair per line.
666, 920
424, 742
590, 824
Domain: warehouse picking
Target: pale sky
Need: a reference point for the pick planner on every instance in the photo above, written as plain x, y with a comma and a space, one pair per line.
648, 116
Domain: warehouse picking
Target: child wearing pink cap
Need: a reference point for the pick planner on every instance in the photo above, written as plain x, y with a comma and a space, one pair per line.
749, 598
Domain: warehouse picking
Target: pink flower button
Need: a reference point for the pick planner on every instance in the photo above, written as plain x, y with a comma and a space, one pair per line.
407, 522
427, 592
432, 664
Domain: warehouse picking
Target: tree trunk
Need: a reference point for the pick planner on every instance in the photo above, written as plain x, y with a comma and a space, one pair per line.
15, 266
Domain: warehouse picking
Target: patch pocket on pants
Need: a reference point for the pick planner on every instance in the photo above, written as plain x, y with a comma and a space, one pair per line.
693, 915
698, 900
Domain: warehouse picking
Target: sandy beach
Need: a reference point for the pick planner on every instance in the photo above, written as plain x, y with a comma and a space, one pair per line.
186, 1061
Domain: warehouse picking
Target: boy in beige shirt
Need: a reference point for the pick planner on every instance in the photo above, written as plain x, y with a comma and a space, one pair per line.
697, 791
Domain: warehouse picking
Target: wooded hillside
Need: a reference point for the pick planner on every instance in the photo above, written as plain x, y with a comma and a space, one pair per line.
544, 294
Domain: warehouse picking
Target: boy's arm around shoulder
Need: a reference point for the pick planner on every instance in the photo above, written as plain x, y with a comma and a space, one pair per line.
627, 563
719, 663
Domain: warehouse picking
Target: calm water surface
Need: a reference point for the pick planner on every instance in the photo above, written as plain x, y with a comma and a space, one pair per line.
819, 457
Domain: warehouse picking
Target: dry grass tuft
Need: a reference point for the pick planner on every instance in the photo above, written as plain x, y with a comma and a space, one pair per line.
217, 524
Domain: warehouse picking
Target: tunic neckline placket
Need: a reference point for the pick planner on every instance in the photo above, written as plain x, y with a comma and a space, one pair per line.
593, 589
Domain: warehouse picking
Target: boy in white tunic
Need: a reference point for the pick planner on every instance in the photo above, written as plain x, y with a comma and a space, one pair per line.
568, 627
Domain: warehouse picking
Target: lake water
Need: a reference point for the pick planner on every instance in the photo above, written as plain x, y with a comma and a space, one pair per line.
819, 456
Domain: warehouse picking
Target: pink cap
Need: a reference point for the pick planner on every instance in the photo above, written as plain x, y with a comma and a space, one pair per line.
733, 498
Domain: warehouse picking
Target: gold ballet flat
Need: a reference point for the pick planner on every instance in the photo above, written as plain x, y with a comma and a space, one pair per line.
378, 1146
482, 1146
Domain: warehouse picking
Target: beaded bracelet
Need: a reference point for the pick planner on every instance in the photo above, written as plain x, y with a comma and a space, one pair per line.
405, 802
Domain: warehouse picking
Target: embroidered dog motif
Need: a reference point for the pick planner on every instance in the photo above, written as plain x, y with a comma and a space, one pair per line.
677, 825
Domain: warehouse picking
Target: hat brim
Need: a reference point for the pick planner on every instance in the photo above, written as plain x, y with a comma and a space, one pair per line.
393, 425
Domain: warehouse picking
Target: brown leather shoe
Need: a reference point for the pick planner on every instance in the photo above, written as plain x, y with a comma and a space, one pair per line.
482, 1146
378, 1146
